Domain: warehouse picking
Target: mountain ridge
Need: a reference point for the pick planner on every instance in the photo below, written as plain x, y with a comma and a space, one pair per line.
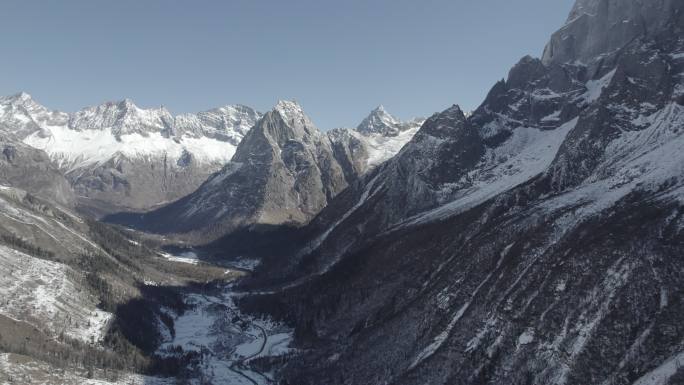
118, 156
541, 248
284, 172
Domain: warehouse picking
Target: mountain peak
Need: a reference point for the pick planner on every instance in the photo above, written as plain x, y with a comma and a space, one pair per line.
290, 110
451, 114
379, 121
287, 105
455, 110
23, 96
128, 103
19, 98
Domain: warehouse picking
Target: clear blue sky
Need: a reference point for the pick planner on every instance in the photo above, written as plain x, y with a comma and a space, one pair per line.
339, 59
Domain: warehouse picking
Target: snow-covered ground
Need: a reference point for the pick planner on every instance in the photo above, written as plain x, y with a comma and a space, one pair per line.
215, 326
381, 148
246, 264
662, 374
16, 369
42, 225
183, 257
46, 295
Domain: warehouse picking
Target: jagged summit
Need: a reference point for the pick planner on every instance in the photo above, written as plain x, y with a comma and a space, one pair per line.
379, 121
284, 171
376, 139
284, 105
122, 117
127, 103
20, 96
286, 121
455, 111
293, 114
122, 156
21, 99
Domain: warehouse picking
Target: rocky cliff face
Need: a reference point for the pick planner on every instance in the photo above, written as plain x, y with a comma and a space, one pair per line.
119, 157
29, 169
379, 121
378, 138
283, 172
534, 242
596, 28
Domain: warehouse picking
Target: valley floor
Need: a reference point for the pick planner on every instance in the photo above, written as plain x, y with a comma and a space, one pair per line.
228, 341
218, 343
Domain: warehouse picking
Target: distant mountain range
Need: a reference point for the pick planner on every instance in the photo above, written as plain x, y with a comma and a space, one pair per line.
284, 171
119, 157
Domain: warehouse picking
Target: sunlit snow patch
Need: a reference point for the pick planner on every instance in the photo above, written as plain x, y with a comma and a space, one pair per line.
184, 257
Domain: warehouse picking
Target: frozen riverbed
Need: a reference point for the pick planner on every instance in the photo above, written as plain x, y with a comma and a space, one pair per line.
226, 338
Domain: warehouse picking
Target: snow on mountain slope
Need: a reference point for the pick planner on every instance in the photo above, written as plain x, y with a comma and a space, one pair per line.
120, 157
123, 118
284, 172
526, 154
21, 115
95, 134
377, 138
49, 227
663, 373
229, 123
643, 159
379, 121
49, 296
385, 135
74, 150
382, 148
545, 233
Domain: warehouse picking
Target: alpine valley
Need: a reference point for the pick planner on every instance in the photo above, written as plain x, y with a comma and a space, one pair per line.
538, 239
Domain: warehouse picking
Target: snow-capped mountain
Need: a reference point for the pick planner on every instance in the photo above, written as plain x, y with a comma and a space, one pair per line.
284, 172
536, 241
379, 137
122, 157
22, 116
382, 122
228, 123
